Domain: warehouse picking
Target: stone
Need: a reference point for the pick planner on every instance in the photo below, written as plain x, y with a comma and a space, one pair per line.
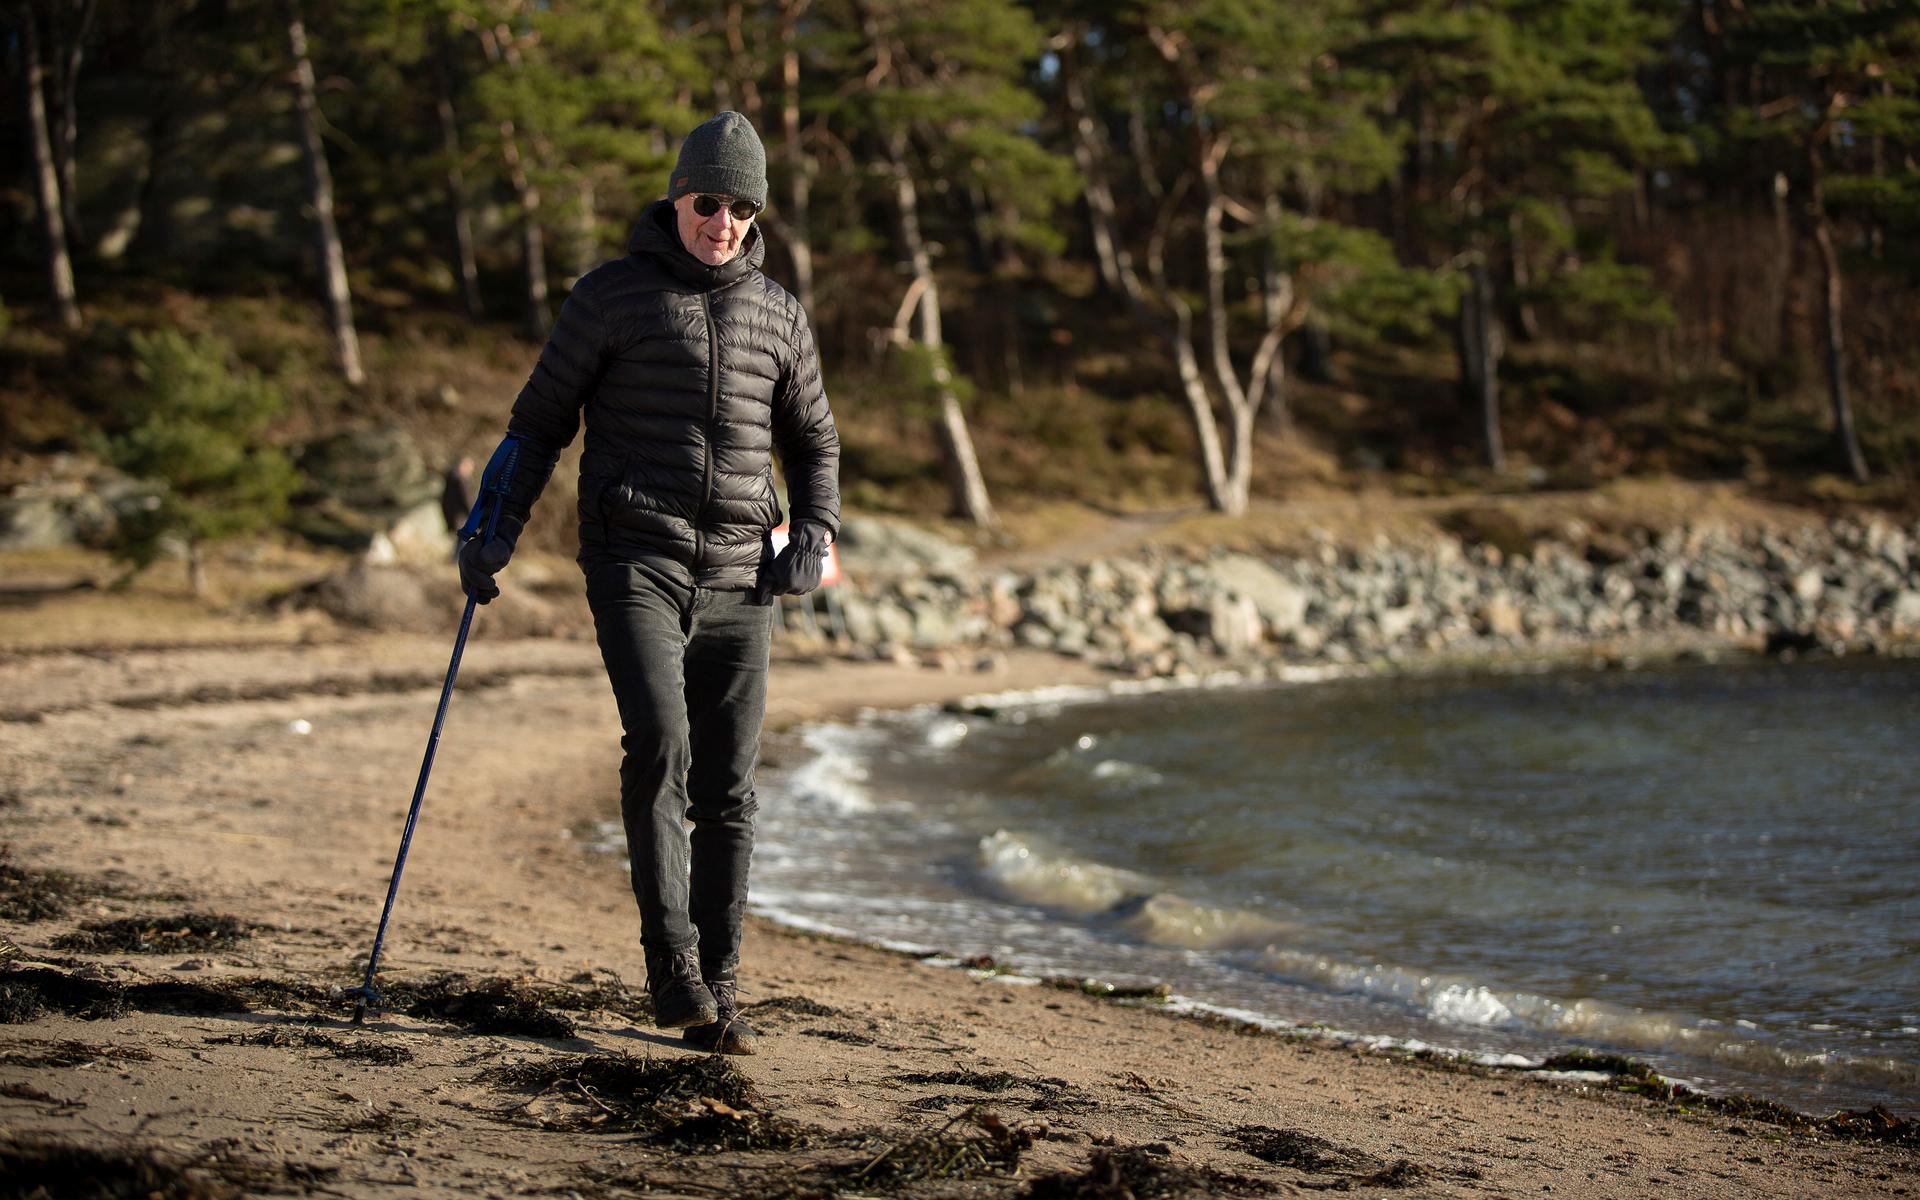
1501, 616
1280, 602
885, 546
1905, 613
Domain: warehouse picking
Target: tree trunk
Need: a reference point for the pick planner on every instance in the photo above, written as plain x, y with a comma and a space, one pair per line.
465, 265
196, 569
1102, 218
69, 44
1479, 344
1784, 245
799, 237
533, 248
333, 264
964, 480
46, 176
1846, 439
1526, 319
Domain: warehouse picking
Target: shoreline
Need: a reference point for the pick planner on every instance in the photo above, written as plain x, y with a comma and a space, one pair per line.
222, 806
1532, 1049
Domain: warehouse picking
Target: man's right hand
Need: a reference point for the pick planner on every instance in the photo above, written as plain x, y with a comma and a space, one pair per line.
480, 560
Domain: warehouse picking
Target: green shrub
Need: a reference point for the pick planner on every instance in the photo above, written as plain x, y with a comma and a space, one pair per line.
196, 427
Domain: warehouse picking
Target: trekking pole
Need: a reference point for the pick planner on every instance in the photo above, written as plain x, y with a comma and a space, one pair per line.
481, 522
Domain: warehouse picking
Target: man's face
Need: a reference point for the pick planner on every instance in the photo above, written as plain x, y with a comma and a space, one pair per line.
715, 239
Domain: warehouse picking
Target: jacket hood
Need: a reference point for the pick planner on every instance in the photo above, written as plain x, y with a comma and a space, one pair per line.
656, 234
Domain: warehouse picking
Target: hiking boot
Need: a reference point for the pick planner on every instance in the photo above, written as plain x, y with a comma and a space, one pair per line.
726, 1034
679, 998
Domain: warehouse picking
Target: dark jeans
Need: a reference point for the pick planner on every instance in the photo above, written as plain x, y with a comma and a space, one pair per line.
689, 671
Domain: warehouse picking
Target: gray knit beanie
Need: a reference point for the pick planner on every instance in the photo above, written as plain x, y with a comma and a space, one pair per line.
722, 155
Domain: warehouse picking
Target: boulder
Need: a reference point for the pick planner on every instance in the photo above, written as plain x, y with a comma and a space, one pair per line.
1280, 602
364, 486
880, 545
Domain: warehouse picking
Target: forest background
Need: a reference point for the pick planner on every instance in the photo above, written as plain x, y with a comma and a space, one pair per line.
1120, 256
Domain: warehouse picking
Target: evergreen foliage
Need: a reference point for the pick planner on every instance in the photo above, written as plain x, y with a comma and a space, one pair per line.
1711, 192
197, 427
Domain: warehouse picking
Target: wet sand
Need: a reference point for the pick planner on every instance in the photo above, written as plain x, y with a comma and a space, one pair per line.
267, 784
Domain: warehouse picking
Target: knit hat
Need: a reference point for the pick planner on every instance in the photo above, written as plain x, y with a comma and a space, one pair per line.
722, 155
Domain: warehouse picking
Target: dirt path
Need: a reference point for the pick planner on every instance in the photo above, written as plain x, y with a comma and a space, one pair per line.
267, 785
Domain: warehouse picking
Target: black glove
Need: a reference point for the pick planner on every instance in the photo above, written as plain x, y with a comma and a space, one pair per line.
480, 560
796, 571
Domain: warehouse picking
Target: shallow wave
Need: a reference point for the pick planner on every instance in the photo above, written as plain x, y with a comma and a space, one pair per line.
835, 777
1460, 1001
1022, 871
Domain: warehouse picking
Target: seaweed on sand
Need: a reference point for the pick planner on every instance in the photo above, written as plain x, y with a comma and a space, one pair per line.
800, 1005
1052, 1094
621, 1092
384, 1054
157, 935
1292, 1148
27, 895
1131, 1173
27, 992
989, 1147
1634, 1077
986, 1081
34, 1166
848, 1036
69, 1053
507, 1006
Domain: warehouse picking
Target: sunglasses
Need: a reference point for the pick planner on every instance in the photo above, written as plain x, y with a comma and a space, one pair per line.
742, 210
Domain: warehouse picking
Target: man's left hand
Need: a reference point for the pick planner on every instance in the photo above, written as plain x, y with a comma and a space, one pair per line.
796, 570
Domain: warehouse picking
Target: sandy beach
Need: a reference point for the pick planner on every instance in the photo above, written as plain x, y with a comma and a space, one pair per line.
261, 789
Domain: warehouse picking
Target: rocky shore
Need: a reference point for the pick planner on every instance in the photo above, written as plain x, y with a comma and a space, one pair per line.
1846, 586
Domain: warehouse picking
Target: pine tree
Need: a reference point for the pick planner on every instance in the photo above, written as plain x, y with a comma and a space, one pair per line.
1832, 85
197, 428
944, 100
1241, 112
1517, 110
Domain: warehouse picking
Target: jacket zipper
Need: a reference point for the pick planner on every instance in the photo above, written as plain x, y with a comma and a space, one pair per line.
713, 414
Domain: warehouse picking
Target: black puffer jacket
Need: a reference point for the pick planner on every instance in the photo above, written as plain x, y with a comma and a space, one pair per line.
690, 376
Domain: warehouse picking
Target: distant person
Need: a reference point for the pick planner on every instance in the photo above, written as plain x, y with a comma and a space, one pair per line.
458, 491
692, 368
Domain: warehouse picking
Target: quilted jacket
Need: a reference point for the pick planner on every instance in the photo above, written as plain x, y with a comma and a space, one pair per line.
690, 377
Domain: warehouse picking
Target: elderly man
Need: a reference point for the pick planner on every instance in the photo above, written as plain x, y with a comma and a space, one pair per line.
692, 368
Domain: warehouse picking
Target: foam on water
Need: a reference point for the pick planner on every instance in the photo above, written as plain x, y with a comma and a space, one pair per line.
1022, 872
834, 779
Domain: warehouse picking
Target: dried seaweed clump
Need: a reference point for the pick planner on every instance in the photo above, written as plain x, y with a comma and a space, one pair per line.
506, 1006
34, 1167
384, 1054
988, 1147
622, 1092
34, 895
1052, 1094
798, 1005
1291, 1148
986, 1081
187, 933
69, 1053
1130, 1173
1874, 1124
27, 992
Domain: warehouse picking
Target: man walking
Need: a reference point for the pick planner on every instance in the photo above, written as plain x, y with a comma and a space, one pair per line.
692, 368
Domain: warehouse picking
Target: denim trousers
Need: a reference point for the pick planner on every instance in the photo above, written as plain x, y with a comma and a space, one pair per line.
688, 667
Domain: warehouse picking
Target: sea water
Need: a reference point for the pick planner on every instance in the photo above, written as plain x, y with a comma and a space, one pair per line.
1713, 868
